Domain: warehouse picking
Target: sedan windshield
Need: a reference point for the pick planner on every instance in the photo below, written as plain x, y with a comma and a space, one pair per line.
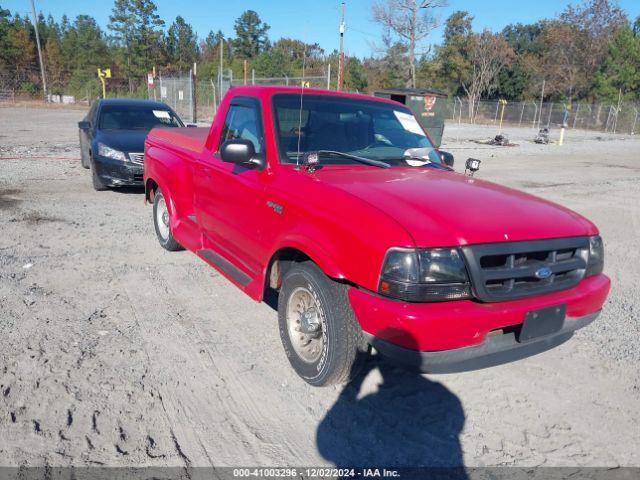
364, 128
136, 117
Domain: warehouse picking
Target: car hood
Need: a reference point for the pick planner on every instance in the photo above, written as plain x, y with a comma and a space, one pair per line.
123, 140
443, 208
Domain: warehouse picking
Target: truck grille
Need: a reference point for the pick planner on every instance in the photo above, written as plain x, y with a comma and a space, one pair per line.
506, 271
137, 158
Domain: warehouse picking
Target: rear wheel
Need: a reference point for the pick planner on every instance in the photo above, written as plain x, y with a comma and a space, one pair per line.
162, 224
320, 334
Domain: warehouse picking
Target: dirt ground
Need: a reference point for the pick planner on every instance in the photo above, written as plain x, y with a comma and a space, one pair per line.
116, 352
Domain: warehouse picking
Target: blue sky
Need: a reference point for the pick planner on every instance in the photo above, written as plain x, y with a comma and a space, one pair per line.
312, 20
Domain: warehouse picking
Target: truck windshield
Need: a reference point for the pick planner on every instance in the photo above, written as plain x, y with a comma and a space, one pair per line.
365, 128
136, 117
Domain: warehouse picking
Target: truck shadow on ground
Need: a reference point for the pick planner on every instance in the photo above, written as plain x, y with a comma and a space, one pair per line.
409, 421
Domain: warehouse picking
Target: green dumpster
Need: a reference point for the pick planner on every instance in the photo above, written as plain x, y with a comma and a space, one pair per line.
428, 105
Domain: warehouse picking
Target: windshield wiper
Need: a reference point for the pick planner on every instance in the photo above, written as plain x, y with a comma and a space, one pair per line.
420, 159
368, 161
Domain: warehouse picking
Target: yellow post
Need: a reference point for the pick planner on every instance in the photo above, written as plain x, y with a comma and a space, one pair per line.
102, 75
504, 104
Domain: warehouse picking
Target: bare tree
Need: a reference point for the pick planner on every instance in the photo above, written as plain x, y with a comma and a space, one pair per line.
489, 55
411, 21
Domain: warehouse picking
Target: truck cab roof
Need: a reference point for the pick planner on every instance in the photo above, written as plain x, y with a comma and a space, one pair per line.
268, 90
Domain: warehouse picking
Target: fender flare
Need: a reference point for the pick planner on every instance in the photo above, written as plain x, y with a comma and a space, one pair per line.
318, 254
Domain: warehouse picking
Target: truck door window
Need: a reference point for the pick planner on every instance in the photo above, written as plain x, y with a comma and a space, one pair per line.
243, 122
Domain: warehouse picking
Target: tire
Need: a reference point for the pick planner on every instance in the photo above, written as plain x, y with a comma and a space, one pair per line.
334, 354
162, 224
98, 184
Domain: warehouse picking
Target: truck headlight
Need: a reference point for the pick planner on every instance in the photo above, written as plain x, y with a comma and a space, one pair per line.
106, 151
424, 275
595, 264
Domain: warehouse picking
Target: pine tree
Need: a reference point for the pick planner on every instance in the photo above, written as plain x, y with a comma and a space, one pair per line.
620, 71
136, 27
182, 44
251, 35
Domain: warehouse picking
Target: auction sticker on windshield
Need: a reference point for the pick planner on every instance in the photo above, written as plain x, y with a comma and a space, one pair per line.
409, 123
162, 114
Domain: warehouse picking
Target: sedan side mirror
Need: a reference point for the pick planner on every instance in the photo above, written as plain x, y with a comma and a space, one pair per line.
241, 152
84, 125
447, 158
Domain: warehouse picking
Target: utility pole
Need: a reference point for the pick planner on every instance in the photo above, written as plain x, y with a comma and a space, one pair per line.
541, 100
35, 25
245, 71
194, 93
341, 58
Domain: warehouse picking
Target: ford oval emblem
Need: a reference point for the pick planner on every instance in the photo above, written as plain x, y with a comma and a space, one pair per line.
543, 273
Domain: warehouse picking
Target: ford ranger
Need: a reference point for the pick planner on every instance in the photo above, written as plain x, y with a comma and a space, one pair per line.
339, 206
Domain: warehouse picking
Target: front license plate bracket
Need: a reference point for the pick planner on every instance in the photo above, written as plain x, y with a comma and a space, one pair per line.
542, 322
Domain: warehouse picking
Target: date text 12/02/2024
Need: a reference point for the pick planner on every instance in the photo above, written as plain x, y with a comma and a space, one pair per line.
315, 473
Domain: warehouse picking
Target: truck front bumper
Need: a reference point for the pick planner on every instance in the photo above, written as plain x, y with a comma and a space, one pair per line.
466, 335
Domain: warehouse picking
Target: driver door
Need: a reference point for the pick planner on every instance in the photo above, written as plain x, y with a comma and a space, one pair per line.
230, 202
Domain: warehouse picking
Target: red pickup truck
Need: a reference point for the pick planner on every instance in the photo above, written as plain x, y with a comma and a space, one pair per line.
339, 205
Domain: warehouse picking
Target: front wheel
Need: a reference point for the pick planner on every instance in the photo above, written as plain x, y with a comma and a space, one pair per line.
84, 154
96, 181
162, 224
320, 334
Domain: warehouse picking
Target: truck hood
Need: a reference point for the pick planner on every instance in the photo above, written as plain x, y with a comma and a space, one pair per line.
443, 208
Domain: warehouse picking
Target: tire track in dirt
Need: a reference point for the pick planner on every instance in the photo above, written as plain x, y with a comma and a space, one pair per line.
217, 417
252, 355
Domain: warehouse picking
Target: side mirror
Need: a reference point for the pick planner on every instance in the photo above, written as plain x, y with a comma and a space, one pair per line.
84, 125
241, 152
447, 158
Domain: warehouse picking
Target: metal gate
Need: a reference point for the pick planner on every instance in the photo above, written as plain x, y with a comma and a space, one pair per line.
177, 92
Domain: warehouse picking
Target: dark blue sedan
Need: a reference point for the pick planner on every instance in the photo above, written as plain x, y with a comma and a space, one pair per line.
112, 139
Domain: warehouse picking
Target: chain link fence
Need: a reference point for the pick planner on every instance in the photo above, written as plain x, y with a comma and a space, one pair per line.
14, 85
175, 91
603, 117
198, 100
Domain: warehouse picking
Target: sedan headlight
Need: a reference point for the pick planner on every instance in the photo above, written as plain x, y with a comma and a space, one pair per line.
424, 275
595, 264
106, 151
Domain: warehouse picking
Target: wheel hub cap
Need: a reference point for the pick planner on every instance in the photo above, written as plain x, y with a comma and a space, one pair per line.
162, 219
305, 325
